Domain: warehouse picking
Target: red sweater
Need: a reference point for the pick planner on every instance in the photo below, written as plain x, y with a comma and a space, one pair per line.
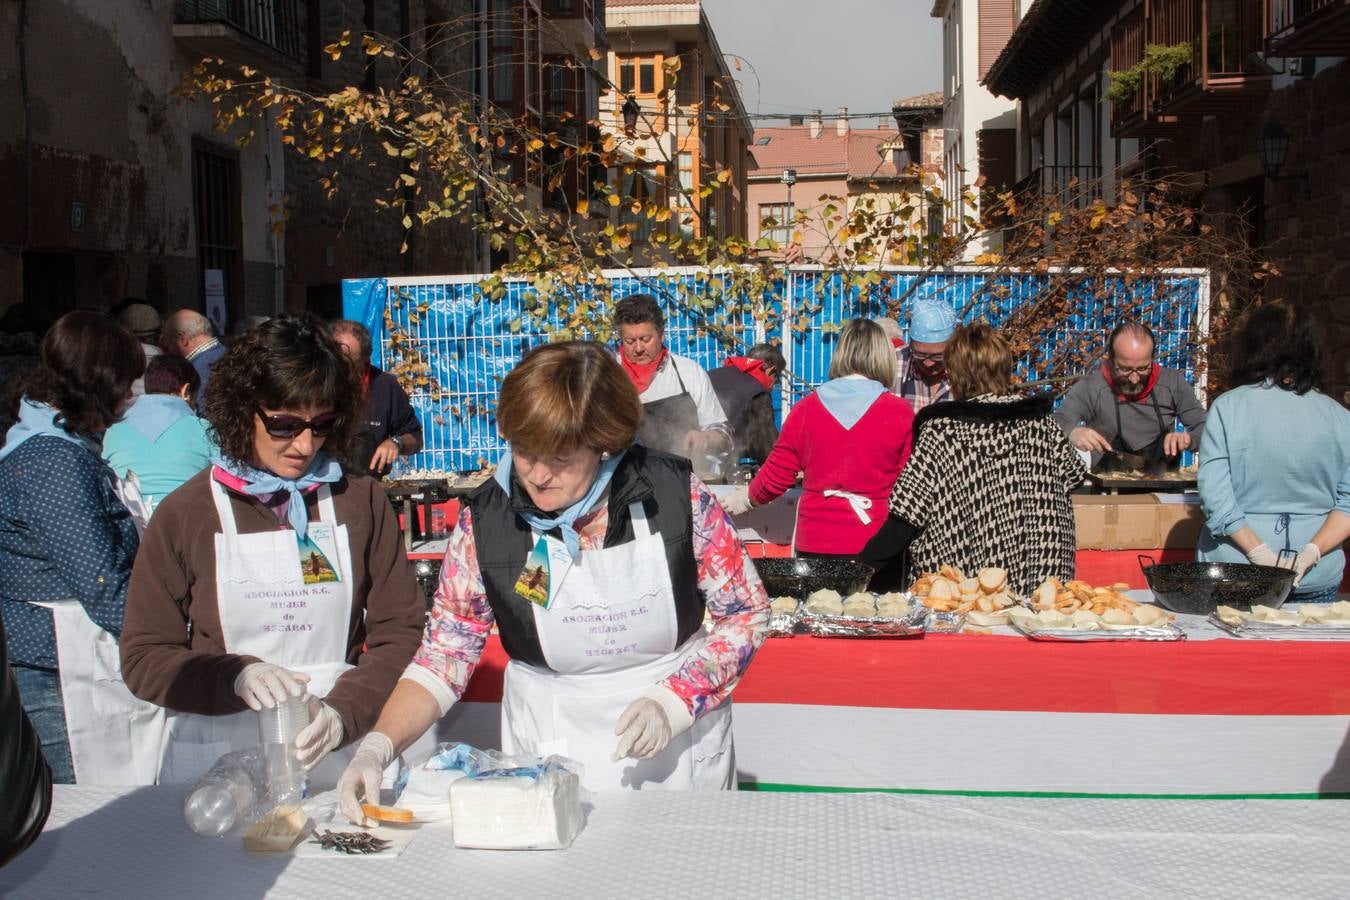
864, 460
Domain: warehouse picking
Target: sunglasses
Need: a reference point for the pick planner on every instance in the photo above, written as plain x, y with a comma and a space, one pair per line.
286, 427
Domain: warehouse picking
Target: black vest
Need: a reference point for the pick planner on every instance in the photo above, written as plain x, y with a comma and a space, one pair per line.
735, 390
503, 540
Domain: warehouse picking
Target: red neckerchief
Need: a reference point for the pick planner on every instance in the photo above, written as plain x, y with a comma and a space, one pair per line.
752, 367
1115, 388
897, 343
365, 382
641, 374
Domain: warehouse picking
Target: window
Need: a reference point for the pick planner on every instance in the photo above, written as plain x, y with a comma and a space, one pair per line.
762, 142
215, 188
502, 46
640, 187
775, 221
637, 74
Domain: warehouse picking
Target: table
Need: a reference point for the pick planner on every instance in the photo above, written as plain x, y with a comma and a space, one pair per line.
1209, 716
117, 842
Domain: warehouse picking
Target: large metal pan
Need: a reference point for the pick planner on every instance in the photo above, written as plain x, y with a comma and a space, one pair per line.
1200, 588
802, 577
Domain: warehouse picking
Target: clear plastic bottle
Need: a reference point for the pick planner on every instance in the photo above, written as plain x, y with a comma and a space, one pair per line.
225, 796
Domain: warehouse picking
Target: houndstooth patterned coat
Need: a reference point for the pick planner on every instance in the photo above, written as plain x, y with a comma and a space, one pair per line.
988, 484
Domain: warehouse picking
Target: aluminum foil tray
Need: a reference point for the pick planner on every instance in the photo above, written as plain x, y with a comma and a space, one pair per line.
1075, 636
868, 626
1268, 631
784, 624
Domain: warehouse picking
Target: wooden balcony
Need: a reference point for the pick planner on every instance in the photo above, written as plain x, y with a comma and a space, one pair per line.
1308, 28
1226, 37
267, 35
1139, 116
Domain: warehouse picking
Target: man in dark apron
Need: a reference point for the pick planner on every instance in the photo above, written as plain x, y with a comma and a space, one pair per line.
680, 410
1125, 413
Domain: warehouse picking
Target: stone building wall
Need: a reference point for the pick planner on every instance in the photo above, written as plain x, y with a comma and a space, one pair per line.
1305, 223
111, 210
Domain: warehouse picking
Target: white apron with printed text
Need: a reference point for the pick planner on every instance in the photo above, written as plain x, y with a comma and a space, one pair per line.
608, 635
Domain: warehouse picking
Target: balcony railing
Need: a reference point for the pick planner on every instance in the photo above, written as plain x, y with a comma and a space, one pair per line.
1224, 35
1309, 27
254, 32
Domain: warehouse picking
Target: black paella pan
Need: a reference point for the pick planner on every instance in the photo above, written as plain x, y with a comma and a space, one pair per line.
1199, 588
802, 577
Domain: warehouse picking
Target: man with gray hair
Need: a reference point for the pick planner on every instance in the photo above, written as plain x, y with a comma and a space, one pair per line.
188, 333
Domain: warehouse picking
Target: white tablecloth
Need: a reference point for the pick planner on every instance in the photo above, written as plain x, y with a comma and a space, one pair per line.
111, 842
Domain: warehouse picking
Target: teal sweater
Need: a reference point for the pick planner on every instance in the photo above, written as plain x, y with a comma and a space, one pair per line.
162, 441
1279, 462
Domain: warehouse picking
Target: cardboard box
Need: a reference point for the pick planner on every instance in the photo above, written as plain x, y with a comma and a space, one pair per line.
1137, 521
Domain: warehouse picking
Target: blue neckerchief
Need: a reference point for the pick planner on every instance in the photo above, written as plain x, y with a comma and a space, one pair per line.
323, 470
40, 419
564, 519
153, 414
849, 398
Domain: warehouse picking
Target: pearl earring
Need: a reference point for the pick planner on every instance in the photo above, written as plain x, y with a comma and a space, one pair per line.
604, 455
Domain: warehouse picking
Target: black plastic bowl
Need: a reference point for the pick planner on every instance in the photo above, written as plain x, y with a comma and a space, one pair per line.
796, 577
1201, 588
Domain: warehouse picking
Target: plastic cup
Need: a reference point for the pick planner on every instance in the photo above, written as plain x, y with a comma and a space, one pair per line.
278, 728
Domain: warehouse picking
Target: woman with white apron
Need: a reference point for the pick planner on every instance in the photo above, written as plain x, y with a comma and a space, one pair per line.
597, 561
66, 551
850, 439
272, 574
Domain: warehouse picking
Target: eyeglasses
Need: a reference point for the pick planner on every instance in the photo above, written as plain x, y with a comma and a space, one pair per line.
1137, 370
286, 427
927, 357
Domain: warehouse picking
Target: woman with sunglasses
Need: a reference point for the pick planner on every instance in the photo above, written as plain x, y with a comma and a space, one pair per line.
273, 573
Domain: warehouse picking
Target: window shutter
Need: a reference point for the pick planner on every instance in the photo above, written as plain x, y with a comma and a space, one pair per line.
998, 19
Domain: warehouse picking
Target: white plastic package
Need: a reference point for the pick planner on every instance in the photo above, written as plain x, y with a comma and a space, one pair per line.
497, 802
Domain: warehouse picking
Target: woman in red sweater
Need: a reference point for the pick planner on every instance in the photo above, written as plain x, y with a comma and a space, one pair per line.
850, 438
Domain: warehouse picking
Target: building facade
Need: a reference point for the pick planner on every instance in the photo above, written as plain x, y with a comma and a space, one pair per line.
979, 127
113, 187
692, 126
1252, 78
836, 159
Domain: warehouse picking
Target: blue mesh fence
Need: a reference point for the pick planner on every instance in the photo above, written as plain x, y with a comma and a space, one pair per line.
462, 344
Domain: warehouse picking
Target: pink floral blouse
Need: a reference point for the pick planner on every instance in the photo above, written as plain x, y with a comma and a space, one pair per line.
737, 604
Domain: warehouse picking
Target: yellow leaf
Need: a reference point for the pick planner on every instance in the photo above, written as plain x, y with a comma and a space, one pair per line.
595, 54
614, 200
407, 179
724, 176
407, 221
1054, 219
583, 207
535, 144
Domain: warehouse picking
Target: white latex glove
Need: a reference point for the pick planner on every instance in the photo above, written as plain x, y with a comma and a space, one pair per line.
644, 730
1308, 557
361, 780
321, 736
1261, 555
264, 685
739, 501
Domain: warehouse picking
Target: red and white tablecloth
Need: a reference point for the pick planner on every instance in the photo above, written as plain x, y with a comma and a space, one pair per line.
988, 713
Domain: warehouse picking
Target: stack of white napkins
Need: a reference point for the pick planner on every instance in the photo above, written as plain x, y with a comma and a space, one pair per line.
497, 802
533, 810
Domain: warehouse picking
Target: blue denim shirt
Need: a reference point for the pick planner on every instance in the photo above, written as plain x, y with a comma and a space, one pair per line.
63, 535
1278, 462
